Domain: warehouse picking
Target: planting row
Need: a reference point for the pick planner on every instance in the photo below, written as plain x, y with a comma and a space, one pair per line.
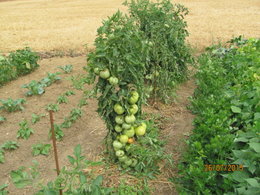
227, 124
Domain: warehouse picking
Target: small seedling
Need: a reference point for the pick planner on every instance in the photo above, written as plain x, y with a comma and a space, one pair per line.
52, 107
69, 93
23, 177
24, 131
2, 156
66, 69
62, 99
50, 79
43, 149
11, 105
2, 119
78, 81
58, 132
36, 118
34, 87
10, 145
3, 190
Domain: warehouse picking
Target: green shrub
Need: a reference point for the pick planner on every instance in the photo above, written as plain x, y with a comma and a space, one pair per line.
165, 32
25, 60
8, 71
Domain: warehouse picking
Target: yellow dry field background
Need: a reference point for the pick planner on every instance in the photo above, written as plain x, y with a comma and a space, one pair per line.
63, 25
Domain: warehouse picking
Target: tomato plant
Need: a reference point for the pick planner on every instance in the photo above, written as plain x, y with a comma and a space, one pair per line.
119, 69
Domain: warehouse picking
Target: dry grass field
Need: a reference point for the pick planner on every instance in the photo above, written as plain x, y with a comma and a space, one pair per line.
65, 25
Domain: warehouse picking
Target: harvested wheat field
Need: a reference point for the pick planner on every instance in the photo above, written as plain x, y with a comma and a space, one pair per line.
64, 25
60, 30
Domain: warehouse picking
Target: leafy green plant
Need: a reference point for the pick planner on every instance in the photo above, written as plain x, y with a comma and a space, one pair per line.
62, 99
72, 179
3, 190
11, 105
59, 134
10, 145
75, 114
67, 68
41, 149
2, 156
227, 125
23, 176
25, 60
50, 79
165, 32
52, 107
36, 118
78, 81
25, 131
8, 71
69, 93
2, 119
34, 88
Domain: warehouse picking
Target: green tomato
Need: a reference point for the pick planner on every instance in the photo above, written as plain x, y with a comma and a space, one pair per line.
96, 70
130, 119
113, 80
130, 133
134, 94
118, 128
123, 138
117, 144
119, 109
140, 130
119, 119
134, 162
144, 125
104, 74
133, 109
120, 153
133, 100
123, 158
128, 162
126, 126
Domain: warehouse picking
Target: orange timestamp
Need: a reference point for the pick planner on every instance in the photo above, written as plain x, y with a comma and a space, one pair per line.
231, 167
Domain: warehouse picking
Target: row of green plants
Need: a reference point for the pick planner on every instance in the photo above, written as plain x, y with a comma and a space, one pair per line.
227, 123
73, 179
137, 56
17, 63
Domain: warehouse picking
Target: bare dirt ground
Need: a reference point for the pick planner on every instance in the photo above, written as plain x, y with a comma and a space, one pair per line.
63, 25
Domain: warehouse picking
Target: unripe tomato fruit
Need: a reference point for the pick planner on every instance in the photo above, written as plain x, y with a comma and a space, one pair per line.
140, 130
113, 80
126, 126
134, 162
96, 70
122, 158
119, 119
130, 132
119, 109
118, 129
120, 153
128, 162
123, 138
104, 74
130, 119
133, 109
117, 144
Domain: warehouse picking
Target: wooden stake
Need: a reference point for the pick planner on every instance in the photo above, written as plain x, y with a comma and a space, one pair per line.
54, 145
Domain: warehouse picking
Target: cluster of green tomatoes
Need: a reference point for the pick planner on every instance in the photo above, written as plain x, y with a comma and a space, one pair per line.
127, 127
